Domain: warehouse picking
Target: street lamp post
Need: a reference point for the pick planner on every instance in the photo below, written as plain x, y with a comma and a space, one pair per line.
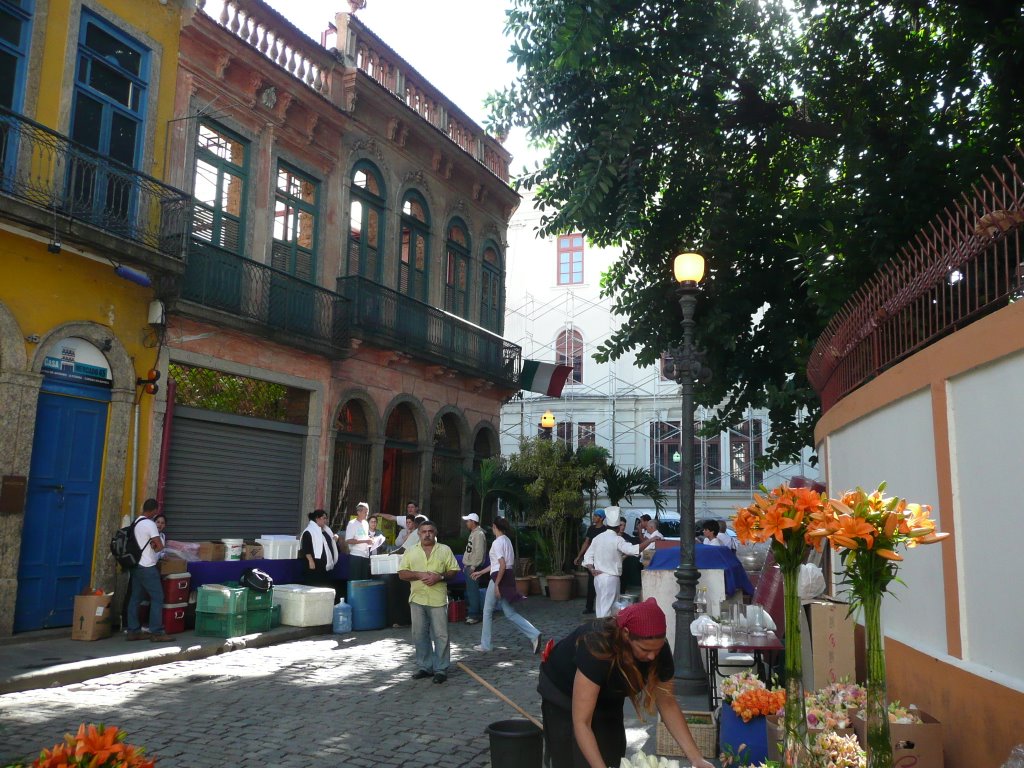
688, 366
547, 423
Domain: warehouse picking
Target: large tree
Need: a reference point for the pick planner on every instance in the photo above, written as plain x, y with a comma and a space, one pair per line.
797, 145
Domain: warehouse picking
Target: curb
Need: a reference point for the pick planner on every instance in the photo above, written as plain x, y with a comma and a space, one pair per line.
80, 671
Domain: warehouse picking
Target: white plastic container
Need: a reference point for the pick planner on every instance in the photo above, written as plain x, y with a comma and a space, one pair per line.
279, 547
233, 548
303, 606
382, 564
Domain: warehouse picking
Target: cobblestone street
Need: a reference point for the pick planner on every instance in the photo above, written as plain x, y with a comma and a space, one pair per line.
325, 701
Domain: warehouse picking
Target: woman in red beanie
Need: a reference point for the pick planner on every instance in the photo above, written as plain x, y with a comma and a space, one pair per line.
586, 677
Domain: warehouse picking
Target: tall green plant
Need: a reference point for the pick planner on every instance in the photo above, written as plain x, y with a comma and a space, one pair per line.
492, 479
619, 485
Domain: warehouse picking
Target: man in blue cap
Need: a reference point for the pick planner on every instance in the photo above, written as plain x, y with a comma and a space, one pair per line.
596, 527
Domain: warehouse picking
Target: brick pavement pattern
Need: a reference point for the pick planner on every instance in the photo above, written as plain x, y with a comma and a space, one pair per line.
330, 700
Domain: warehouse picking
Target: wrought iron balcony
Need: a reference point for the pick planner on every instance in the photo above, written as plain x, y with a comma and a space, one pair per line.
57, 177
306, 314
385, 317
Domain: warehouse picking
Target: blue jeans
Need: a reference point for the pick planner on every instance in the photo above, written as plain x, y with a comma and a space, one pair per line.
494, 601
430, 634
473, 608
146, 581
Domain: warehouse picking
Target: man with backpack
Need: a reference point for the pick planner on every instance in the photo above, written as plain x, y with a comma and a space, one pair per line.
145, 577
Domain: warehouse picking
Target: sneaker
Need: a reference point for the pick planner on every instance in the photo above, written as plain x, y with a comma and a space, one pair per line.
536, 643
481, 649
472, 621
440, 678
136, 635
161, 637
420, 674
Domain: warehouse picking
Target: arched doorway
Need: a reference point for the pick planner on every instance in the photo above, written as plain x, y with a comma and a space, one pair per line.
400, 478
446, 479
59, 532
352, 452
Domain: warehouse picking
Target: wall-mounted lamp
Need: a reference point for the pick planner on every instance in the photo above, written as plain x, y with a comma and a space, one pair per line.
149, 384
133, 275
54, 245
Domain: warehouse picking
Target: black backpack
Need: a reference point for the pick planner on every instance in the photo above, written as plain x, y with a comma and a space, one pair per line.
125, 548
256, 580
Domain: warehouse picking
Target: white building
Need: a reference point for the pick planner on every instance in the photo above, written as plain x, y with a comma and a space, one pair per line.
555, 312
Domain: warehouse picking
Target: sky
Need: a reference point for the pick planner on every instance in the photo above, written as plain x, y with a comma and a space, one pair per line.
457, 45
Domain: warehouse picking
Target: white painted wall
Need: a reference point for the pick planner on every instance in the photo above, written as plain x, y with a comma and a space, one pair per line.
986, 418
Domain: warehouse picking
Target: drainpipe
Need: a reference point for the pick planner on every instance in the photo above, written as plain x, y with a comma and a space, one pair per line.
135, 458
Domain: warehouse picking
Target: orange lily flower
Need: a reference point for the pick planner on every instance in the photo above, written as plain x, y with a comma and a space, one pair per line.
851, 527
888, 554
775, 523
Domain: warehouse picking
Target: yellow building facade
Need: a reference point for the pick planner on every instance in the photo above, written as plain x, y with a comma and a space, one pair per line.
88, 238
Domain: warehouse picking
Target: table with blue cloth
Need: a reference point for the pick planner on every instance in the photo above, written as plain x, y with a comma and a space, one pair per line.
707, 557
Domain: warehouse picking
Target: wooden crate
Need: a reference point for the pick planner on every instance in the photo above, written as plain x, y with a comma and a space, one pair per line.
705, 734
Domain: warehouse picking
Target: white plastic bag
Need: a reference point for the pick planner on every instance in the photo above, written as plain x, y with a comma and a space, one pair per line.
810, 582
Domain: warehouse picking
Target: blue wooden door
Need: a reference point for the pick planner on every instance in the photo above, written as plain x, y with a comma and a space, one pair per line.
58, 536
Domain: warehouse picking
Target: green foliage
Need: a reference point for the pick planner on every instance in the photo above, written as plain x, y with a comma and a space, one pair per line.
494, 480
796, 145
619, 485
556, 480
227, 393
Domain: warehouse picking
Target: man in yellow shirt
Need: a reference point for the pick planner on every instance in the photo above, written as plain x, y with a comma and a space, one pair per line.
427, 568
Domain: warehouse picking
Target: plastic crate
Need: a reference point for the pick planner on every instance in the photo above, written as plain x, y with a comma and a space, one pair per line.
258, 601
220, 624
303, 606
259, 620
279, 547
220, 598
275, 615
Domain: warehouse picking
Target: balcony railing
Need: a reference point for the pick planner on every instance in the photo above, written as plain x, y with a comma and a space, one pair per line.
274, 299
50, 171
383, 316
964, 265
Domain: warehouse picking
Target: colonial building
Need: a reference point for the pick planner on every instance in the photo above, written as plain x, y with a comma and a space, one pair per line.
86, 231
556, 313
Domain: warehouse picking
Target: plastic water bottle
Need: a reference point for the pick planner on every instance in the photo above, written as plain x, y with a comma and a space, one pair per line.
342, 621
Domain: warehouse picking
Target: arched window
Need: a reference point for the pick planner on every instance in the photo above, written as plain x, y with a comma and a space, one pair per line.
456, 295
491, 290
569, 351
366, 222
412, 264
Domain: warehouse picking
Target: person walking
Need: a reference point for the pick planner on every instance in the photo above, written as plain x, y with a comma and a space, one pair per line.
427, 568
472, 559
501, 591
596, 527
145, 578
318, 549
604, 560
587, 676
357, 536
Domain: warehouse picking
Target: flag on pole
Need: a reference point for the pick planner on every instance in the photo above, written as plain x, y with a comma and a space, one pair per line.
546, 378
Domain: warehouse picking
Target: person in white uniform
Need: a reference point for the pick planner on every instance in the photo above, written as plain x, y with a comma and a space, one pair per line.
604, 558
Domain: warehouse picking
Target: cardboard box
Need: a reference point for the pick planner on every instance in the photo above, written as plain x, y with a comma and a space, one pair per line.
211, 550
918, 744
832, 644
252, 552
92, 619
169, 564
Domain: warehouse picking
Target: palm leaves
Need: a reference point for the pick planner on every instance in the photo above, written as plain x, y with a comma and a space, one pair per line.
619, 485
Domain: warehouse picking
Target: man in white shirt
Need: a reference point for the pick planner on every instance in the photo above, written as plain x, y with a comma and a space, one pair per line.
357, 536
650, 528
145, 578
603, 558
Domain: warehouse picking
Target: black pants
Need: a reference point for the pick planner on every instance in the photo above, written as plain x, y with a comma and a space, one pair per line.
358, 568
591, 594
560, 742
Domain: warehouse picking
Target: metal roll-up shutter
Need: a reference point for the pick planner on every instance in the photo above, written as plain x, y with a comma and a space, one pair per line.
232, 476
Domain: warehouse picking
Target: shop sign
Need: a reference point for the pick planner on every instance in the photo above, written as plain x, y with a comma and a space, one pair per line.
79, 361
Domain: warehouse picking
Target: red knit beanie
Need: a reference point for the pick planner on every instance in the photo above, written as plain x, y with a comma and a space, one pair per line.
643, 620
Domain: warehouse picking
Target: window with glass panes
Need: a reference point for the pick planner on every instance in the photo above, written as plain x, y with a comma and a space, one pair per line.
707, 456
15, 22
366, 222
569, 351
412, 254
295, 223
491, 289
456, 297
570, 259
746, 445
586, 434
219, 187
563, 432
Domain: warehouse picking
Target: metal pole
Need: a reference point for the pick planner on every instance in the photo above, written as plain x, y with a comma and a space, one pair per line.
690, 675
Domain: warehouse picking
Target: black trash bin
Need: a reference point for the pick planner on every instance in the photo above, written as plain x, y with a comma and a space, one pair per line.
516, 744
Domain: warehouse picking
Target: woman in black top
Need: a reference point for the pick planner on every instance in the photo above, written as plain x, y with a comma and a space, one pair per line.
318, 550
586, 677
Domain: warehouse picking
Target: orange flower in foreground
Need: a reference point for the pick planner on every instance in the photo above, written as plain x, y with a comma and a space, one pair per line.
775, 522
850, 529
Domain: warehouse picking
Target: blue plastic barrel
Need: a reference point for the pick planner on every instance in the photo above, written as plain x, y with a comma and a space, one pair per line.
369, 601
342, 622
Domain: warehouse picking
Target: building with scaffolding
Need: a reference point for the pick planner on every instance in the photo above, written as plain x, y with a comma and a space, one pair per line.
555, 313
